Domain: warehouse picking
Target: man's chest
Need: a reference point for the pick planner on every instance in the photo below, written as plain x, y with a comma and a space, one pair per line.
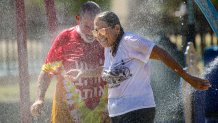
79, 55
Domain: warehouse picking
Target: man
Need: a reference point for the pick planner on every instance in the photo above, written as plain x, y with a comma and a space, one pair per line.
82, 100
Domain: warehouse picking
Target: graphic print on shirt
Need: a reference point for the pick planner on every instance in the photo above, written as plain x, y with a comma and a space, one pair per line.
86, 96
117, 73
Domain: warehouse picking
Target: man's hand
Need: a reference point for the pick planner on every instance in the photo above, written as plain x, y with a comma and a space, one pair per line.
36, 108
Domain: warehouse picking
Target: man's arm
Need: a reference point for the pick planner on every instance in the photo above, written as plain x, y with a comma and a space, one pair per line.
43, 82
160, 54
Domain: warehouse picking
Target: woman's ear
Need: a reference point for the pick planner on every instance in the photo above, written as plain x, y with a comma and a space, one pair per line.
77, 17
117, 28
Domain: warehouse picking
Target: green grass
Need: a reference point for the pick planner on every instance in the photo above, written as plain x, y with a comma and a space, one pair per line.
10, 99
10, 92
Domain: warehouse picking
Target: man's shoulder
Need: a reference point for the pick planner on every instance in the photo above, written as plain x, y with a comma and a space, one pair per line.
69, 30
68, 33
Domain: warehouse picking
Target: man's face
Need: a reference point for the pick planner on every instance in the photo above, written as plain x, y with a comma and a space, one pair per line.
86, 24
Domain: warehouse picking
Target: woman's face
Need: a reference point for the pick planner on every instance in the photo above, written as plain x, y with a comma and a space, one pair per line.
105, 34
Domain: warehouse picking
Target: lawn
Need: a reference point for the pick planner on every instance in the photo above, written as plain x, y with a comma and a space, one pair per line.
9, 102
10, 92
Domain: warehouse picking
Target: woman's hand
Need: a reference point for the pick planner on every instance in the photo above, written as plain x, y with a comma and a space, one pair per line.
76, 74
197, 83
73, 74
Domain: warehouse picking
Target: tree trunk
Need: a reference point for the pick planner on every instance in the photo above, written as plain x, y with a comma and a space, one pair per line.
23, 63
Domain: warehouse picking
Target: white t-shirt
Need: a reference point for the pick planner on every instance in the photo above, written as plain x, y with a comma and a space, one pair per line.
128, 75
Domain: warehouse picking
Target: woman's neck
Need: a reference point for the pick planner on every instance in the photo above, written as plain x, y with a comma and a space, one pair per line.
114, 48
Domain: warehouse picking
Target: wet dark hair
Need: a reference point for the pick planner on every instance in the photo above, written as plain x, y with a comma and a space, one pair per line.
90, 8
112, 19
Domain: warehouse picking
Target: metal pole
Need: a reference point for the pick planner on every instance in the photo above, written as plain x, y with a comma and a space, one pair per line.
191, 23
23, 63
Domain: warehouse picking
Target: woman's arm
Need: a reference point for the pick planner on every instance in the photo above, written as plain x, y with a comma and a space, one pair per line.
160, 54
75, 74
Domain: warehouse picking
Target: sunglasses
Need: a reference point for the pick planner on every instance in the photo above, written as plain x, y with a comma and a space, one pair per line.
102, 31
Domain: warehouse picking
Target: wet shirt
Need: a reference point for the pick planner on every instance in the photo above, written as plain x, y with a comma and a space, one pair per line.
85, 99
128, 75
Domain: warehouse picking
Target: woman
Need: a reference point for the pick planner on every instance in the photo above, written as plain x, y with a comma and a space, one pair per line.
127, 71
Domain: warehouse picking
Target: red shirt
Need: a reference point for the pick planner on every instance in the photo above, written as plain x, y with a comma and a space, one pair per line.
69, 51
